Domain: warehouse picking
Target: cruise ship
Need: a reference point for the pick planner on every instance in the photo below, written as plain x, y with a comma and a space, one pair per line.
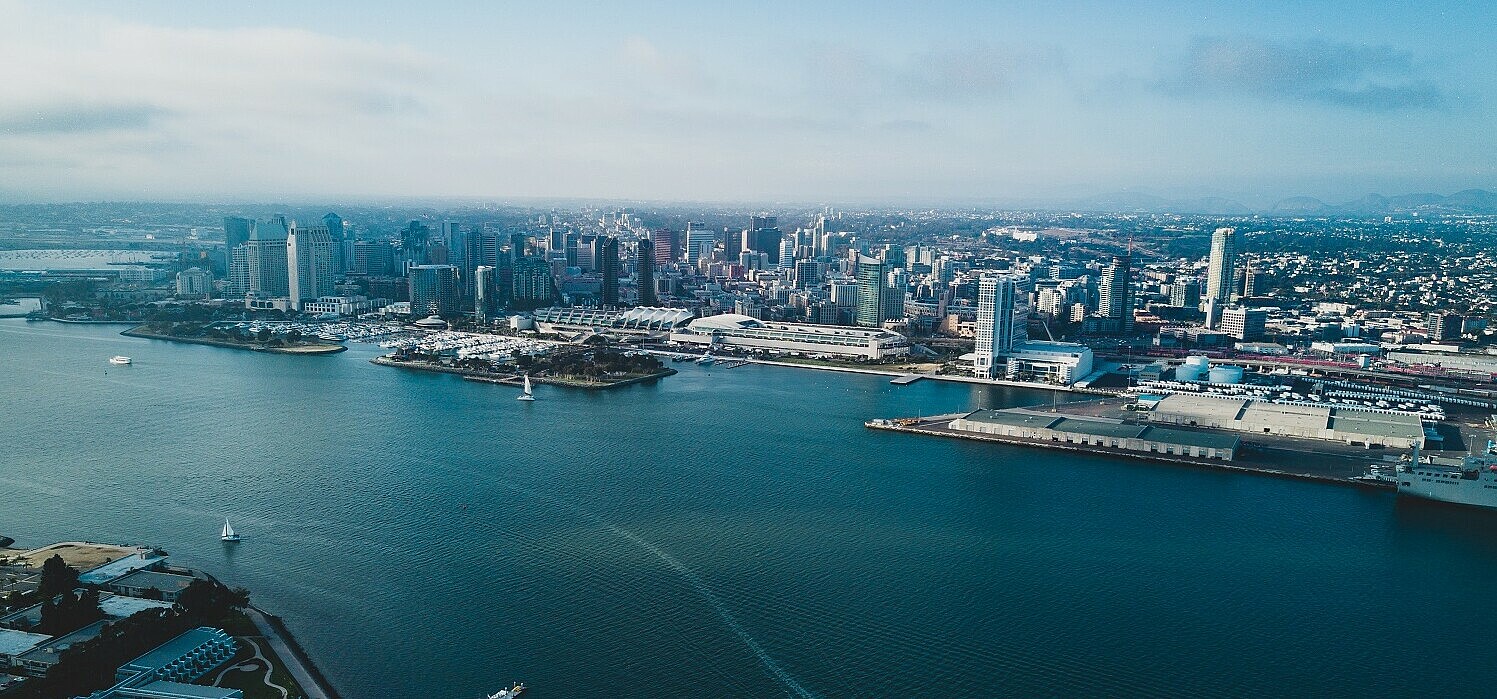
1473, 482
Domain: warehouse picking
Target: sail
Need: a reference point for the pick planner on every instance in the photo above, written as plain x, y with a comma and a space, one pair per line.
527, 384
228, 530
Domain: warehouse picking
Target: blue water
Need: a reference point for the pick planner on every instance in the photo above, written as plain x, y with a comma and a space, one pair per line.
724, 533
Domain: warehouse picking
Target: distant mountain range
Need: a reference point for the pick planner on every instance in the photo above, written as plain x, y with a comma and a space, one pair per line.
1470, 201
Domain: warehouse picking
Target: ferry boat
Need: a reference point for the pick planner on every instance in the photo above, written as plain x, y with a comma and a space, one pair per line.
119, 359
1472, 482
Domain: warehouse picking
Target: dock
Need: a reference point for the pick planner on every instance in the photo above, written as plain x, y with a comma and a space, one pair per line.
906, 379
1259, 459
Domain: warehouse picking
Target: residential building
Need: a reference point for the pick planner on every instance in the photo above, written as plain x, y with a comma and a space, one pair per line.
1221, 265
434, 290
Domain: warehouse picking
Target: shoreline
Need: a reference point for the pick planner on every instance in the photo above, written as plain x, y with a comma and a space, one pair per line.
318, 349
514, 379
298, 662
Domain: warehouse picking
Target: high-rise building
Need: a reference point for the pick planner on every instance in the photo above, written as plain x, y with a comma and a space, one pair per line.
311, 264
237, 232
608, 269
644, 273
434, 290
1002, 320
764, 236
871, 296
372, 258
265, 259
531, 283
666, 245
413, 242
483, 293
1185, 293
699, 241
807, 274
1116, 300
1221, 266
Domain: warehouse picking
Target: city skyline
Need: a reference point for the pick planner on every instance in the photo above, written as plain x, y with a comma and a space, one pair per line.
673, 102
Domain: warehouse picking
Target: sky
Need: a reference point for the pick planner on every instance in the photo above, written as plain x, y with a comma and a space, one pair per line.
808, 102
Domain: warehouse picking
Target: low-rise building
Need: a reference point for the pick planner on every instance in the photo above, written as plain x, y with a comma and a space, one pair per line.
1061, 363
743, 332
1369, 428
1089, 431
149, 583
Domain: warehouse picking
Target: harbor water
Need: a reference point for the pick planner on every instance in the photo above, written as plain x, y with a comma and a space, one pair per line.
724, 533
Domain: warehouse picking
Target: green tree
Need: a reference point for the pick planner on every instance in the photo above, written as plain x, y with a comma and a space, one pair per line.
57, 577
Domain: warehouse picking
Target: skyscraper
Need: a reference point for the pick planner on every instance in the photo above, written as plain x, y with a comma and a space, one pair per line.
1185, 293
764, 236
265, 259
483, 293
531, 283
608, 264
871, 296
1116, 303
1002, 320
665, 243
237, 232
434, 290
310, 263
645, 272
1222, 264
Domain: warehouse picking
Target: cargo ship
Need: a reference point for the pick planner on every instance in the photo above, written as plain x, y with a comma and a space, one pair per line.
1471, 482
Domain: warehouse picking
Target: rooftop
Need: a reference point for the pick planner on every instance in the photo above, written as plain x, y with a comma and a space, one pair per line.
123, 566
167, 653
166, 582
1103, 427
14, 642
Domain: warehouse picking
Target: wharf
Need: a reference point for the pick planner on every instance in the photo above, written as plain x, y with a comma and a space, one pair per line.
907, 379
1257, 458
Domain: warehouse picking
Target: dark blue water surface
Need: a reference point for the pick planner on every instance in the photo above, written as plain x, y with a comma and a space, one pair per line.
724, 533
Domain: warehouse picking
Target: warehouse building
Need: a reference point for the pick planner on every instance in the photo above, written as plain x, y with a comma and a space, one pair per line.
745, 332
1097, 432
1358, 428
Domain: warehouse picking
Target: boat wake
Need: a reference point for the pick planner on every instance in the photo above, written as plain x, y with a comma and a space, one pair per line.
696, 582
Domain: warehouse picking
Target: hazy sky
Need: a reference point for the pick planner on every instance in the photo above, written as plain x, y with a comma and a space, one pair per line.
789, 101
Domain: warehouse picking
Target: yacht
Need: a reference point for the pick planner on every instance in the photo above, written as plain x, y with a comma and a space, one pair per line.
529, 394
511, 693
119, 359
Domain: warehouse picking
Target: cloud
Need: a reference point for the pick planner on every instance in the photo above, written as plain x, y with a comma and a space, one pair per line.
1356, 76
77, 118
951, 76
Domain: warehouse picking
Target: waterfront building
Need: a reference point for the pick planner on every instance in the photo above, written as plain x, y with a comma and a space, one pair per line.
1062, 363
169, 670
1002, 321
194, 283
1352, 426
141, 583
1245, 324
311, 263
343, 305
433, 290
1221, 265
1051, 429
743, 332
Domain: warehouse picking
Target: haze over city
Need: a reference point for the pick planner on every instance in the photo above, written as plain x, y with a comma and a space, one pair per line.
902, 102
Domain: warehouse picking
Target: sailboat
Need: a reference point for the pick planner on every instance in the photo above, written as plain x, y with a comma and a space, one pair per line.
228, 533
528, 394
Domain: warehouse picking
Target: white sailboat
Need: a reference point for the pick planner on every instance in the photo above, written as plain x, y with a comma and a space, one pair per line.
528, 394
228, 533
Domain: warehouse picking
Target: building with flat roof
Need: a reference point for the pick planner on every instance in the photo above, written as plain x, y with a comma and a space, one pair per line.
38, 661
166, 671
146, 583
744, 332
1061, 363
142, 560
1356, 427
1079, 430
14, 643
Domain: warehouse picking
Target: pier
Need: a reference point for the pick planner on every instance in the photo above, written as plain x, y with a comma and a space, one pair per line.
1274, 458
907, 379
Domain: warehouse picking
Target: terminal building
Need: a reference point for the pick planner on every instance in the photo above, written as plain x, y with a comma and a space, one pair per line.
642, 320
1034, 426
1353, 427
745, 332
